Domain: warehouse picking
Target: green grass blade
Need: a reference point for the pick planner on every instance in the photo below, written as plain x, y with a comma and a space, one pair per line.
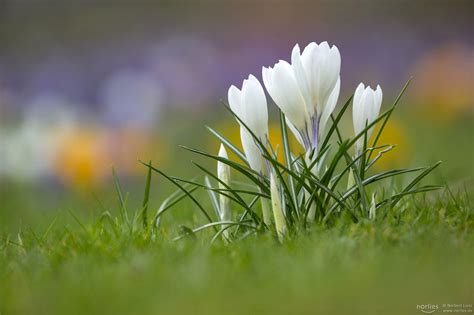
249, 173
146, 198
335, 123
123, 204
212, 197
194, 200
169, 202
214, 225
415, 181
229, 144
236, 197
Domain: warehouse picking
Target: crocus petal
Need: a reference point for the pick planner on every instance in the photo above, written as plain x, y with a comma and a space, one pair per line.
329, 64
223, 170
282, 86
329, 107
254, 107
317, 73
234, 96
357, 109
378, 100
251, 150
295, 132
302, 79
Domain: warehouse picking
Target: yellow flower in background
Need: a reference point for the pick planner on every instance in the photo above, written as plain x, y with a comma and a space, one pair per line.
81, 158
85, 157
444, 83
393, 134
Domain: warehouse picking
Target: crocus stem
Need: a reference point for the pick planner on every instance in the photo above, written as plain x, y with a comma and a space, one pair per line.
280, 222
224, 205
312, 207
312, 210
267, 215
350, 179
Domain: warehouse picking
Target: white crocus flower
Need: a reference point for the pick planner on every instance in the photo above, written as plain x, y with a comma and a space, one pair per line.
282, 86
365, 109
307, 90
223, 173
250, 105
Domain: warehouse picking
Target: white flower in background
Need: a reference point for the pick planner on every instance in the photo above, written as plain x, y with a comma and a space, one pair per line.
365, 109
307, 90
250, 105
223, 173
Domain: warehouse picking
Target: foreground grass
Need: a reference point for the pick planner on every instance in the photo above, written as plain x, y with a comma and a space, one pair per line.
421, 255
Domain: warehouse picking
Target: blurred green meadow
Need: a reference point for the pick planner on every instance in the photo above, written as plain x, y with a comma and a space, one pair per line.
87, 88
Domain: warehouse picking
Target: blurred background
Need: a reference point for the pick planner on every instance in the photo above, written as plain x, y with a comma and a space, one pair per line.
87, 85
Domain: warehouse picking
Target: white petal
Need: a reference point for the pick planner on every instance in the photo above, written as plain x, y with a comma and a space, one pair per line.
329, 108
370, 110
307, 57
254, 107
330, 66
322, 66
378, 100
301, 78
284, 90
234, 98
223, 170
324, 45
358, 93
295, 132
252, 151
357, 108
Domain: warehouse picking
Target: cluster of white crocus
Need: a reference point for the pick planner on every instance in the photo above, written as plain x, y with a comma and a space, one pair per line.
306, 91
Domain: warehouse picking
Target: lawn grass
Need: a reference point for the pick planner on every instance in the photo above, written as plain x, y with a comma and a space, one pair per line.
421, 254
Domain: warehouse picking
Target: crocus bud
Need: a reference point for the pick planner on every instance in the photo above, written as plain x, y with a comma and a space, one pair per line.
280, 222
250, 105
365, 109
223, 173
